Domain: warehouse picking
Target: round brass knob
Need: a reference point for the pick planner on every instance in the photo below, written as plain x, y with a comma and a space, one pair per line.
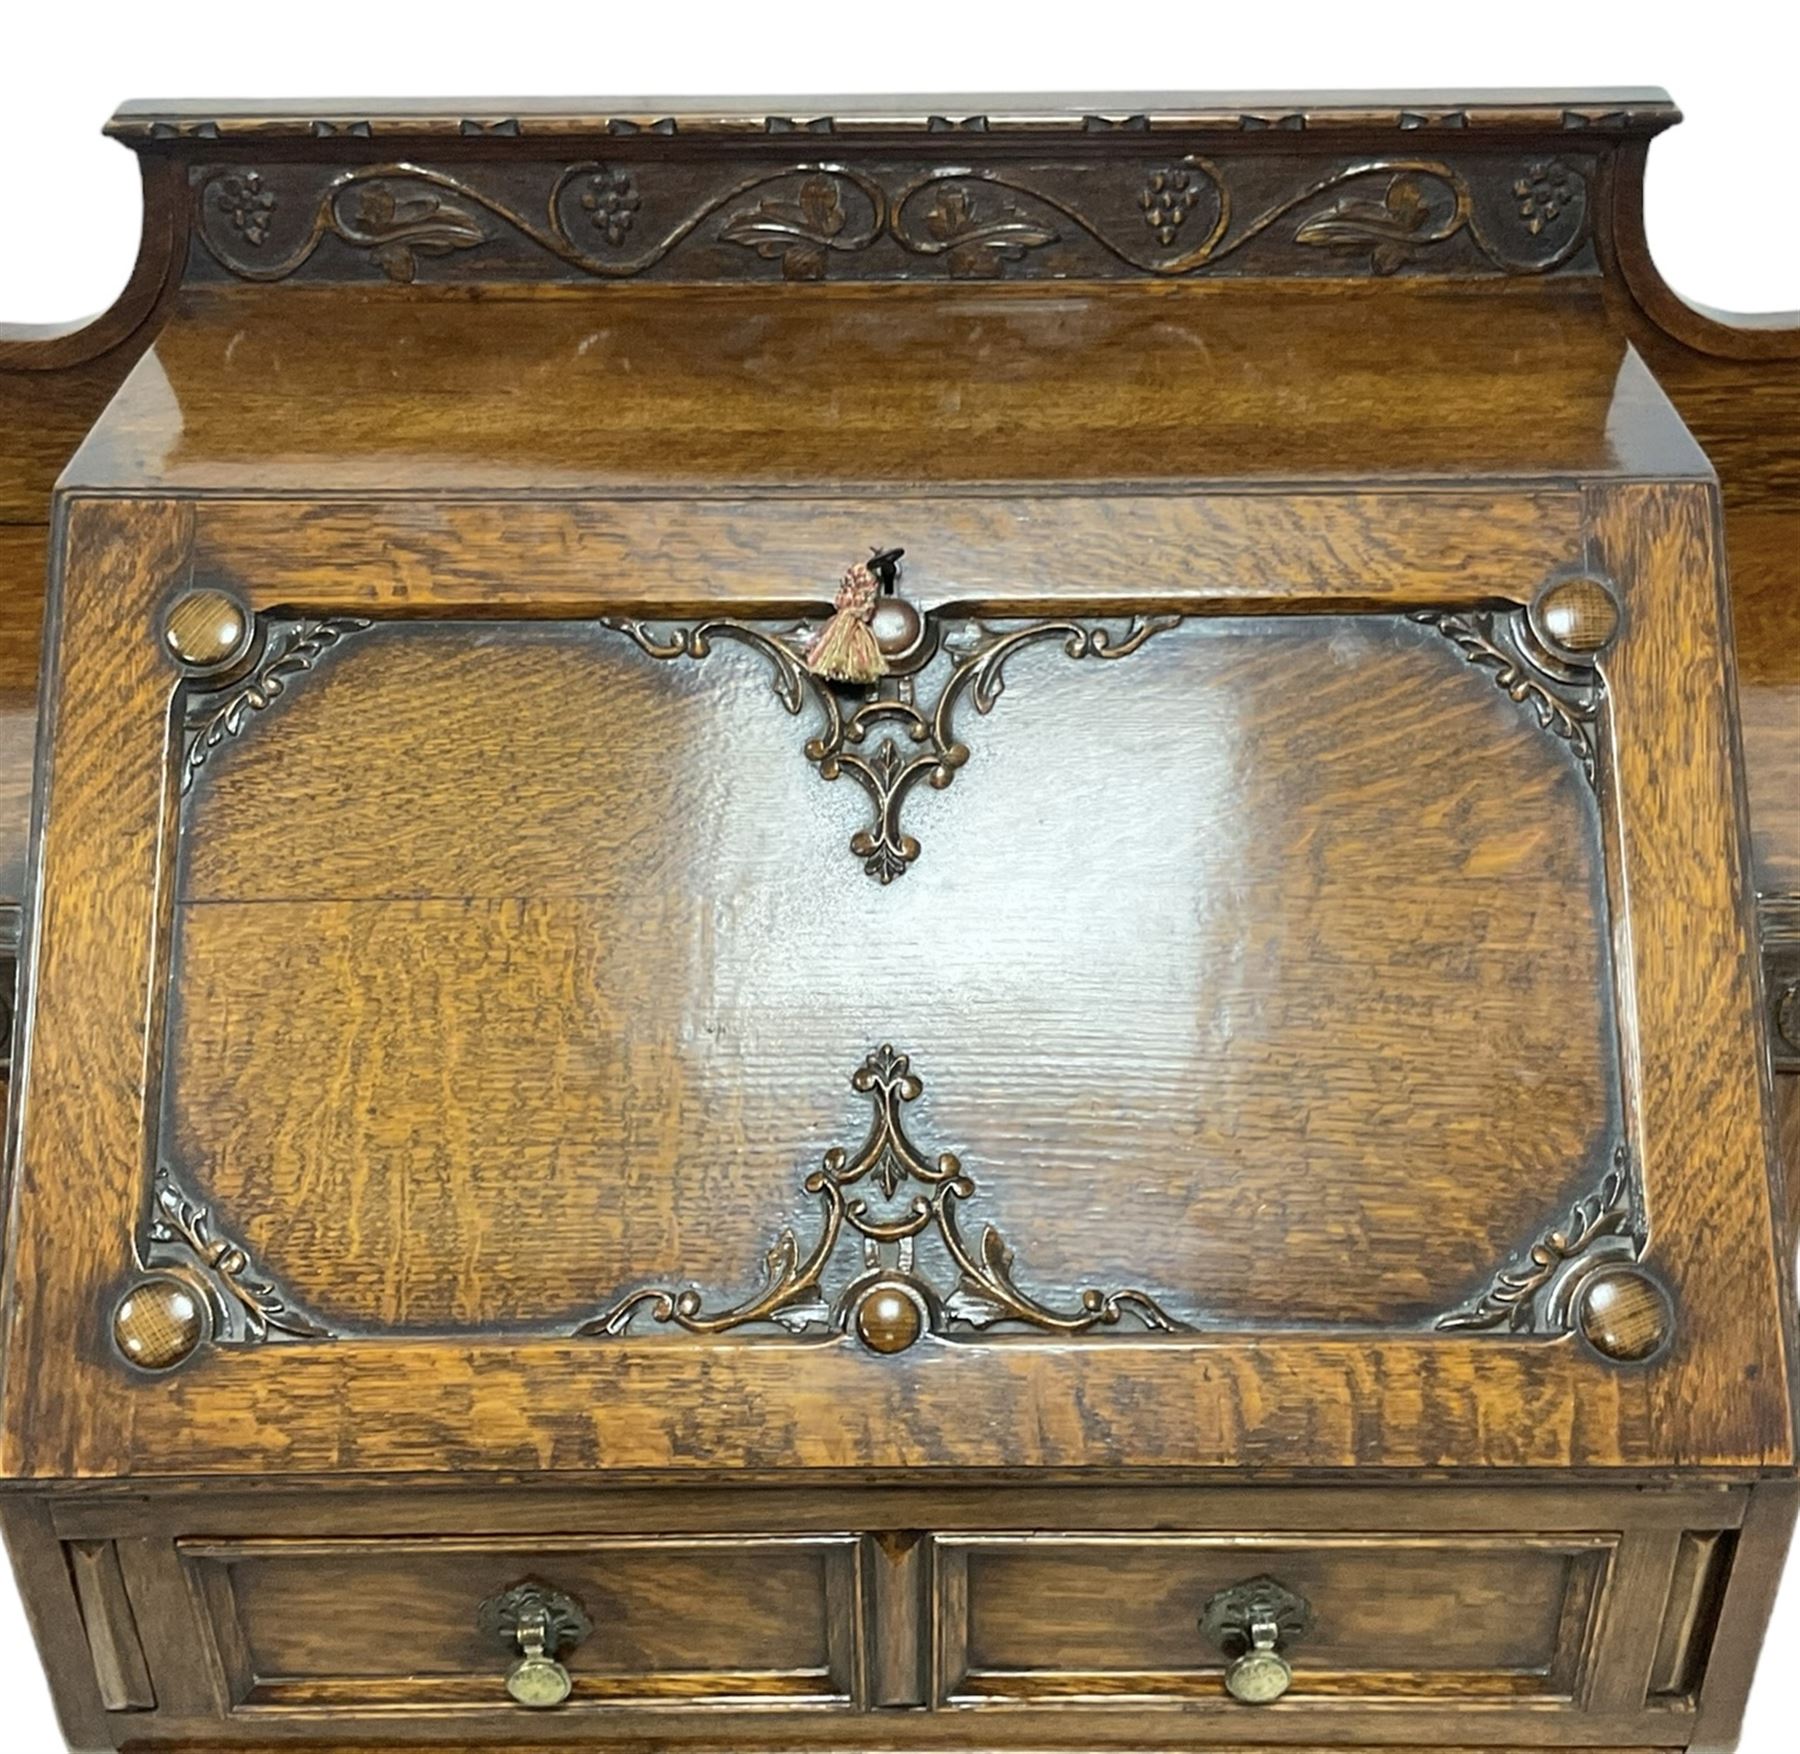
898, 627
538, 1681
1576, 617
159, 1323
888, 1320
1259, 1677
206, 629
1624, 1315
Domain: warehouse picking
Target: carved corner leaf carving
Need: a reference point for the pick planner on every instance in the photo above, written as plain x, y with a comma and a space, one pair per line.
1488, 640
1522, 1296
292, 650
250, 1306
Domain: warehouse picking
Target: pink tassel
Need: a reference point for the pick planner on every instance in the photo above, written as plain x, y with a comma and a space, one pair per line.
844, 650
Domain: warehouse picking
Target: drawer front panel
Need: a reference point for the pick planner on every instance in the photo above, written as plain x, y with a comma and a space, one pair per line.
878, 1616
1028, 1618
676, 1620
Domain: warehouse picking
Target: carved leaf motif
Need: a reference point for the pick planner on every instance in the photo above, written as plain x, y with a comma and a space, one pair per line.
397, 262
798, 233
979, 249
969, 1303
822, 205
810, 1316
1391, 230
396, 230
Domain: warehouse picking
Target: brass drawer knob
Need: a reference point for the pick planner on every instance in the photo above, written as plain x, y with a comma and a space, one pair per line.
1250, 1622
539, 1623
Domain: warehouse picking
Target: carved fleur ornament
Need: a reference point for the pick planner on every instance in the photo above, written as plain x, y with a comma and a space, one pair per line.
886, 1196
880, 717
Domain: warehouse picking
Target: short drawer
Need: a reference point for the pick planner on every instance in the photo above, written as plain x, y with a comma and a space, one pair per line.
306, 1625
1101, 1618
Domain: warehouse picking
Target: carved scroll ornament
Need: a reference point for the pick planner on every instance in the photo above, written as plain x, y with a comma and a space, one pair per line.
618, 218
891, 1304
926, 748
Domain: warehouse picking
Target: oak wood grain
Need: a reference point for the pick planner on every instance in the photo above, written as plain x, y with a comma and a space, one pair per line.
590, 1048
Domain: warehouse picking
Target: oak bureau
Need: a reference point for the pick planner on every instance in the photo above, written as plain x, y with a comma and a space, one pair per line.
933, 925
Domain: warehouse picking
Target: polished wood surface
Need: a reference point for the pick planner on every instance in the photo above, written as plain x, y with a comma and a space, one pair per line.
1419, 1398
499, 1007
1317, 1160
309, 390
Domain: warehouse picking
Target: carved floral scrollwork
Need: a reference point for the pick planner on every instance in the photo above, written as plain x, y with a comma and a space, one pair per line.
927, 748
889, 1305
614, 220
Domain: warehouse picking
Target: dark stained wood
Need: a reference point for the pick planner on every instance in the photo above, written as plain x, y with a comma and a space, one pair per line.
53, 1612
712, 1619
1743, 1618
111, 1627
900, 1576
1332, 960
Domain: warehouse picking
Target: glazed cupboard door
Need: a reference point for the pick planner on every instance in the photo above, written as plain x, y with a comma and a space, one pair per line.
1294, 1008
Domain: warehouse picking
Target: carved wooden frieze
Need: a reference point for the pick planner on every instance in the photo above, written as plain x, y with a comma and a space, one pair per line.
644, 211
886, 1195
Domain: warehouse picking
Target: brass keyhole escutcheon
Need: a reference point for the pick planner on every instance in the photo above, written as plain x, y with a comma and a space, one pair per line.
539, 1623
1250, 1622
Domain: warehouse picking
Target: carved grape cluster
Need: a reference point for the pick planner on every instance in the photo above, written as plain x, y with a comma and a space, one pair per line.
1542, 193
247, 204
611, 198
1167, 200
